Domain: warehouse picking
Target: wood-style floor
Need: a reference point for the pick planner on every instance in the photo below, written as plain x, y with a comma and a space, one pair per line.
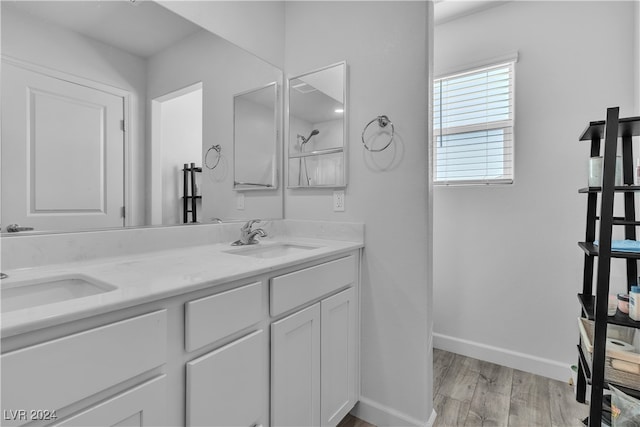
351, 421
470, 392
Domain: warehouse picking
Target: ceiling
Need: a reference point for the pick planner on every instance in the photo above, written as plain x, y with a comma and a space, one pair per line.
142, 28
448, 10
145, 28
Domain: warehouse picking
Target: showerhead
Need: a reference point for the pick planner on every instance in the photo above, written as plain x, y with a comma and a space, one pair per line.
313, 132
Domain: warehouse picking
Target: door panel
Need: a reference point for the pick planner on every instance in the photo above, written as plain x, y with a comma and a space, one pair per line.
226, 386
338, 359
295, 375
62, 153
141, 406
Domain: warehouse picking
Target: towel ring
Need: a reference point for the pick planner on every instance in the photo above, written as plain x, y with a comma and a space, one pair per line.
383, 121
217, 149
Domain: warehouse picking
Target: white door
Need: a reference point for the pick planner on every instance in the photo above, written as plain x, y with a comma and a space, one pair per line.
295, 369
227, 386
338, 358
62, 153
141, 406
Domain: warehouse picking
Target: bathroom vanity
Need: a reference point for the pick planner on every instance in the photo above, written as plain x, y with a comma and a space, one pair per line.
211, 335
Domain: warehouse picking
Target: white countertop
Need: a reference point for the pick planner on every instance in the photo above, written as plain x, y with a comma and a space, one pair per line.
147, 277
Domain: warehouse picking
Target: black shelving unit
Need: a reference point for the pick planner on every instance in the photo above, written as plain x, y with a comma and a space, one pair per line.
189, 196
595, 305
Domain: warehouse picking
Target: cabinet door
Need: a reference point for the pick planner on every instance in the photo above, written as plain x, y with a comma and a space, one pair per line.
227, 386
338, 357
295, 369
144, 405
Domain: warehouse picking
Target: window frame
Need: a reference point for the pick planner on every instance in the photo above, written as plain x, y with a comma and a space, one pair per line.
507, 124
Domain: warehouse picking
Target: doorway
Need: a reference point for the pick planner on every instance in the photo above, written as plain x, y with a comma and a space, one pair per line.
176, 139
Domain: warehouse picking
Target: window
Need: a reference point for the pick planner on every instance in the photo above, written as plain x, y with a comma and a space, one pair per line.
473, 126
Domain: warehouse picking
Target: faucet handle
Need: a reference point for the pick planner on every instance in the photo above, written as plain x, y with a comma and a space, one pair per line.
249, 224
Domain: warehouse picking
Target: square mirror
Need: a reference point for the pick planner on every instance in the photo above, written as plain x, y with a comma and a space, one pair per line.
317, 128
255, 139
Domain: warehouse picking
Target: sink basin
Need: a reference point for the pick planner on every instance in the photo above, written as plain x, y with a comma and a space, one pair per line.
32, 293
271, 251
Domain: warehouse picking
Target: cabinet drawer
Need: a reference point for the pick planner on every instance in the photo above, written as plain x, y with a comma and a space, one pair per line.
294, 289
57, 373
212, 318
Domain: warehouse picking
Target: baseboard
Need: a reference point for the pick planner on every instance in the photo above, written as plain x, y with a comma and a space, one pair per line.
512, 359
380, 415
432, 418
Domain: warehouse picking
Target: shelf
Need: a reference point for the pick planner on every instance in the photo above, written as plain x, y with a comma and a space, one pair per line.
320, 153
190, 195
588, 308
250, 185
629, 126
625, 222
630, 391
586, 371
196, 169
592, 250
617, 189
618, 220
618, 131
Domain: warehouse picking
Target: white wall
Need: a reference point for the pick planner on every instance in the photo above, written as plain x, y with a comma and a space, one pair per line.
257, 26
386, 48
40, 43
224, 70
637, 56
507, 267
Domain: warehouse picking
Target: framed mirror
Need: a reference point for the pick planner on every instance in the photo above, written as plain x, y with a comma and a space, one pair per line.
317, 128
255, 139
162, 85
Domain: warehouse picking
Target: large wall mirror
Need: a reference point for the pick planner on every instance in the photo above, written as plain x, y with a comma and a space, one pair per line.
317, 128
256, 121
103, 105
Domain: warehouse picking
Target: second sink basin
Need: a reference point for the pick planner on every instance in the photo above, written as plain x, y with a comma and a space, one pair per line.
271, 250
32, 293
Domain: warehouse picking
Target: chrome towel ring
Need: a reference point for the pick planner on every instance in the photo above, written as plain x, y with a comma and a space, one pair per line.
217, 148
383, 121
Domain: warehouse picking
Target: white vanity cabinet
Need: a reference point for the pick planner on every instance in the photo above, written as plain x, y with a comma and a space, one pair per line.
313, 351
278, 347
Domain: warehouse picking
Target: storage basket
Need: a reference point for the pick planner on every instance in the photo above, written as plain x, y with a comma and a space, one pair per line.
621, 366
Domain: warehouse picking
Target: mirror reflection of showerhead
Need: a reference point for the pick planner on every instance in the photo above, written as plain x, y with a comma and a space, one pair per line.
313, 132
303, 161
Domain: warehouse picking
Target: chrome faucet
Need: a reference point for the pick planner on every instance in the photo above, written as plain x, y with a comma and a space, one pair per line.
248, 236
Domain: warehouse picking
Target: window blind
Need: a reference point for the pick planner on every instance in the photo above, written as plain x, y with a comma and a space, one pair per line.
473, 126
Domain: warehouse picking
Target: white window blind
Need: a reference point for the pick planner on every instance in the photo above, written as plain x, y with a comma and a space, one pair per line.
473, 126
